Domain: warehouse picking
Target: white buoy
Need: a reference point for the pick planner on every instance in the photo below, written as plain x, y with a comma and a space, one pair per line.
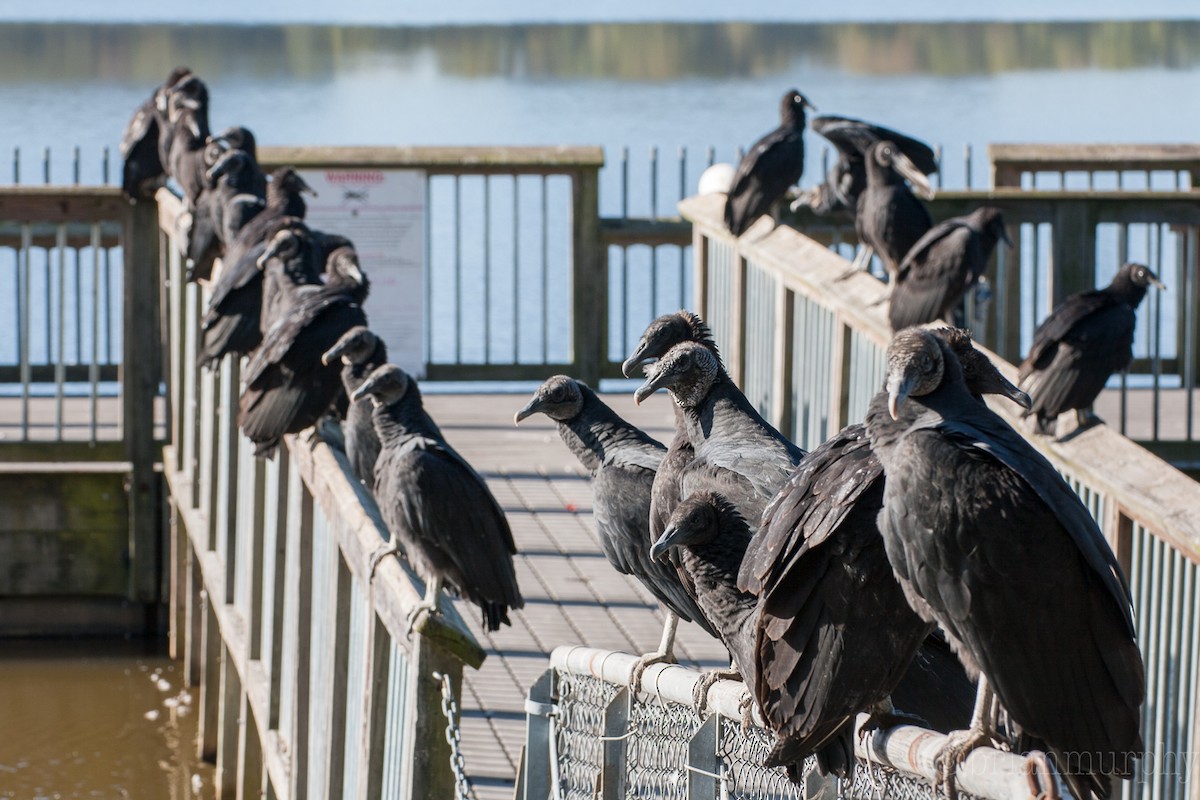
717, 178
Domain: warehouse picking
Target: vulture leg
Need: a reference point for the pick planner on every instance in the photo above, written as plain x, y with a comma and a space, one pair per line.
665, 654
707, 681
959, 744
428, 604
862, 258
392, 548
1086, 418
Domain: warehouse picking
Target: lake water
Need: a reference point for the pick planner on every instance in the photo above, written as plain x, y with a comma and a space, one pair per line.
89, 720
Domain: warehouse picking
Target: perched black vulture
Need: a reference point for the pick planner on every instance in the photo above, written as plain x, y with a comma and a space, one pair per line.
225, 205
890, 219
187, 93
988, 541
361, 353
236, 137
774, 163
623, 462
143, 169
848, 177
737, 453
943, 265
1081, 343
288, 388
836, 636
660, 336
188, 153
710, 537
436, 506
231, 322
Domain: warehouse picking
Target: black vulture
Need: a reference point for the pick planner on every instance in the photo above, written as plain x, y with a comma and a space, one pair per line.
943, 265
288, 388
890, 219
848, 177
225, 205
436, 505
361, 353
1081, 343
188, 152
710, 537
988, 541
836, 636
736, 452
143, 169
231, 322
774, 163
660, 336
237, 137
623, 462
190, 93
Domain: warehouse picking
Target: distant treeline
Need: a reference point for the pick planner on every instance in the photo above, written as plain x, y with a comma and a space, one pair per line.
649, 52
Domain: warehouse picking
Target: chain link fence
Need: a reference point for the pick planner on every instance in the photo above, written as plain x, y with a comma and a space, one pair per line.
589, 738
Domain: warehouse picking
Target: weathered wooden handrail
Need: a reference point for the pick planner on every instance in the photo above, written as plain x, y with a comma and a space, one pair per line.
314, 675
1009, 161
819, 356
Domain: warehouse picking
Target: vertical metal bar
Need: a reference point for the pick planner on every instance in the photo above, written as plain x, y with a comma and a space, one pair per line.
824, 162
711, 155
458, 293
1188, 287
17, 165
967, 162
545, 273
1155, 334
60, 246
108, 311
75, 165
77, 263
653, 215
937, 155
428, 269
94, 367
26, 324
104, 166
625, 182
487, 269
682, 194
46, 165
516, 269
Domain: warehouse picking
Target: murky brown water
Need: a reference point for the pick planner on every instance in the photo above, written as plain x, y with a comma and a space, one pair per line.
97, 720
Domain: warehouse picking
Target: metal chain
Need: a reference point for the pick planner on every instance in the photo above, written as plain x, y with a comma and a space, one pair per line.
463, 790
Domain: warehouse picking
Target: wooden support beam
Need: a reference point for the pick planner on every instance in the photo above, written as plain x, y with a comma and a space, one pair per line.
589, 279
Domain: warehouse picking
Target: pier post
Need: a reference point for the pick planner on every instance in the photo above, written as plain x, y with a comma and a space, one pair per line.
139, 386
589, 277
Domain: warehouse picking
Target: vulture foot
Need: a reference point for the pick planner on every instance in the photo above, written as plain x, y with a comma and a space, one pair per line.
1085, 418
746, 706
639, 667
379, 555
959, 745
707, 681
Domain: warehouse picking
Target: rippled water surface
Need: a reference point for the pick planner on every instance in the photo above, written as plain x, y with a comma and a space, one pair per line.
96, 720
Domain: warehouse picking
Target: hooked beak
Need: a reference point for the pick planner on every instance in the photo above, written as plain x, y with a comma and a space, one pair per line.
1004, 387
634, 361
1158, 283
362, 391
271, 251
898, 388
351, 270
531, 408
670, 537
193, 126
652, 385
305, 188
333, 353
918, 179
190, 102
217, 170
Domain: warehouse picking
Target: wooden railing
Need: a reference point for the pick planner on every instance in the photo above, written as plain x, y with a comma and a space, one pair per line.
807, 348
77, 417
311, 682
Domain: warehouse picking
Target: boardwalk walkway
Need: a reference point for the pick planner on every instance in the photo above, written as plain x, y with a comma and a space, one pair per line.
571, 593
